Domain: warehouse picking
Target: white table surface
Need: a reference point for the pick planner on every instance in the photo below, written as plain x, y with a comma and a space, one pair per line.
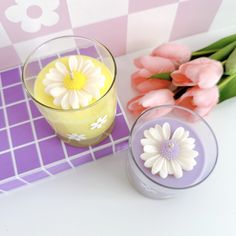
97, 199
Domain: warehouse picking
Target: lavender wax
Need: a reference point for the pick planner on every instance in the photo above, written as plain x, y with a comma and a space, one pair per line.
189, 178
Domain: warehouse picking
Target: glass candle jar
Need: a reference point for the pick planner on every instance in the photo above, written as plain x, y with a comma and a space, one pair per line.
157, 133
88, 124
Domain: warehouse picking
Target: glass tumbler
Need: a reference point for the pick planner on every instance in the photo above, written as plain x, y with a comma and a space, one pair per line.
87, 125
153, 186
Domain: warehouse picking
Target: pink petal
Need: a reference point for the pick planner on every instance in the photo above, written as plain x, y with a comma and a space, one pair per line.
152, 84
205, 97
155, 64
210, 76
140, 76
186, 101
203, 111
177, 53
199, 100
157, 98
180, 79
134, 106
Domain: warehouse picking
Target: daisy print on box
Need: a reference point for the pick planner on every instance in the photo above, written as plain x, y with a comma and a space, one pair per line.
33, 14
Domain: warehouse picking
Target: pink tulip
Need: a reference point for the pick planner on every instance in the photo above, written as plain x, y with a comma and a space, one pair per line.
203, 72
151, 99
199, 100
177, 53
142, 83
149, 65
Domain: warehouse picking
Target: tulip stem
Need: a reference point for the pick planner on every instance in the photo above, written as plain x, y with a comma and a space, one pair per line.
223, 62
225, 81
163, 76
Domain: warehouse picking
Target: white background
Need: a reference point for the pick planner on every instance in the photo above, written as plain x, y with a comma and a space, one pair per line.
96, 199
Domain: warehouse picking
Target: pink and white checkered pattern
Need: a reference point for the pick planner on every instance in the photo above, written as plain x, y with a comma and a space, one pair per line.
124, 25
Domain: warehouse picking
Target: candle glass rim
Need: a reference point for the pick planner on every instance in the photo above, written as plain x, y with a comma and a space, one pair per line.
62, 37
193, 113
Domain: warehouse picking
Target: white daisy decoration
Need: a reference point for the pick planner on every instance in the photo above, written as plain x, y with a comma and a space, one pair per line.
168, 153
75, 85
76, 137
99, 123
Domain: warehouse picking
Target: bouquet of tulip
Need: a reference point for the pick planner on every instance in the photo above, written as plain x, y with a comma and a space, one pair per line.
172, 74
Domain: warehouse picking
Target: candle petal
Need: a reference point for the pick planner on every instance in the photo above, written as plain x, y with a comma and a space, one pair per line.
169, 168
187, 163
51, 86
57, 91
157, 165
73, 63
150, 149
145, 156
166, 131
178, 172
146, 141
61, 68
95, 73
156, 133
83, 98
54, 76
93, 90
87, 66
163, 170
74, 100
65, 101
150, 161
178, 134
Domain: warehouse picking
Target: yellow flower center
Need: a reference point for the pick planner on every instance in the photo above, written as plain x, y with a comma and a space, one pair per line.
75, 80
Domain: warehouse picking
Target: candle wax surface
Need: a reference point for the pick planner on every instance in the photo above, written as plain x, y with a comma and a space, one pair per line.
189, 177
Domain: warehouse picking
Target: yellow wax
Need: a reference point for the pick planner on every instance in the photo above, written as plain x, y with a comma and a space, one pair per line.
81, 121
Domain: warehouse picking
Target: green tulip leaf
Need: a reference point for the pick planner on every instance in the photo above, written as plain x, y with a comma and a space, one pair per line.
219, 43
230, 65
227, 88
163, 76
202, 53
224, 52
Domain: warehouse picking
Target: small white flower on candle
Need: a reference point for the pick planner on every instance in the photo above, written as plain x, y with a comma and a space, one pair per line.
76, 137
99, 123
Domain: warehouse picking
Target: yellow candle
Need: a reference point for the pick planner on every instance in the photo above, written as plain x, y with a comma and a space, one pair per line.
85, 125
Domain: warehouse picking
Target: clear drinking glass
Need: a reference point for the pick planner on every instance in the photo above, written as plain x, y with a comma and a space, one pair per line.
153, 186
79, 127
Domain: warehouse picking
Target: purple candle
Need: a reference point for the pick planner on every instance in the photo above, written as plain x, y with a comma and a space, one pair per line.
189, 177
171, 149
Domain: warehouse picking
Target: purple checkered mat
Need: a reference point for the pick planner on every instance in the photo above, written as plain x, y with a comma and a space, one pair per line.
29, 148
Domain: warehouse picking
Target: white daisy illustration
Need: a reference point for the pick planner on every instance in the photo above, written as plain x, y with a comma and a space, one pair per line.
76, 85
77, 137
166, 153
99, 123
32, 14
